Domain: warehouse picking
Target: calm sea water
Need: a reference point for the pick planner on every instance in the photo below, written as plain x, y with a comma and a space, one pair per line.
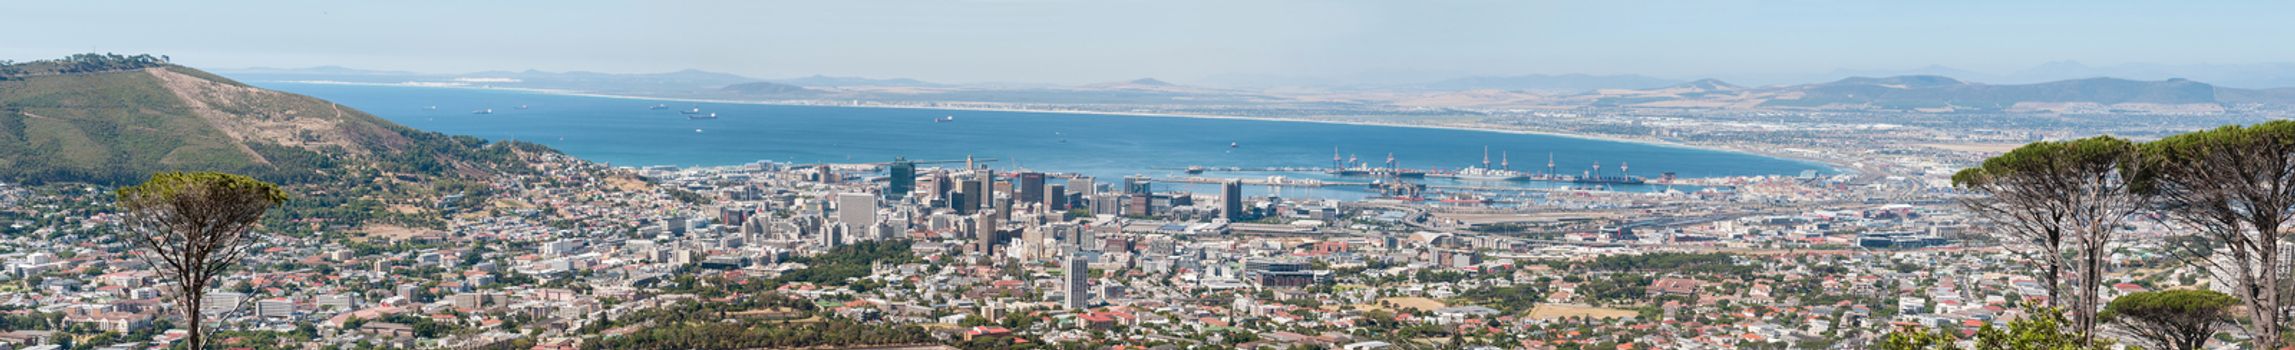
623, 132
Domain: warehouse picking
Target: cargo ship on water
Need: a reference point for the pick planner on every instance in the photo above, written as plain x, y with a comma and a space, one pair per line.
1380, 172
1365, 169
1485, 172
1595, 177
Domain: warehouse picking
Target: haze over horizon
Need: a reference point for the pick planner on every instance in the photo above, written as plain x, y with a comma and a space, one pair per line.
1264, 43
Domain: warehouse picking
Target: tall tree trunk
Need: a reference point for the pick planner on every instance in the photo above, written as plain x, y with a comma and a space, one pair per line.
2267, 313
2054, 281
193, 337
2091, 275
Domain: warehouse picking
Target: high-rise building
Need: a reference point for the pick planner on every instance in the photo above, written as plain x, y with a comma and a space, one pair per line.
1231, 200
1036, 236
858, 210
1082, 238
735, 214
1032, 187
991, 221
973, 194
1001, 197
901, 179
1082, 185
1107, 204
1078, 274
1056, 197
1137, 186
827, 175
1139, 205
940, 185
834, 235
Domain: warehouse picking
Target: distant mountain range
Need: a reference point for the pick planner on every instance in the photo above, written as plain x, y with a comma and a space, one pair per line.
1563, 83
821, 81
769, 89
1932, 88
1143, 84
2245, 76
1939, 93
2249, 76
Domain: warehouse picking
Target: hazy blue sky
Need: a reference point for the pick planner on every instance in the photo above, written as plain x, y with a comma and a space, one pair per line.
1091, 41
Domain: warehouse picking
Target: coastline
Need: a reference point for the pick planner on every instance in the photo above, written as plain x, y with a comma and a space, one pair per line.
1827, 165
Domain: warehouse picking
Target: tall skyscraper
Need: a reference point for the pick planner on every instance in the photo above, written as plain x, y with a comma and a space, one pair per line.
1056, 197
1078, 274
1231, 200
901, 179
973, 194
991, 222
1032, 187
1000, 199
858, 210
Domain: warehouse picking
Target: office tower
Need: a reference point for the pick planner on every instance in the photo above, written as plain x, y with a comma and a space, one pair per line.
1082, 185
974, 194
1137, 186
901, 179
1056, 197
1231, 200
734, 214
753, 226
1032, 187
1107, 204
1058, 231
1139, 205
927, 192
1000, 202
941, 185
858, 210
1078, 272
990, 189
990, 223
1036, 237
1084, 239
984, 247
827, 175
834, 235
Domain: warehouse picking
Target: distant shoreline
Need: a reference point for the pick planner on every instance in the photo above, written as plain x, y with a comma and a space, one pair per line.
1824, 164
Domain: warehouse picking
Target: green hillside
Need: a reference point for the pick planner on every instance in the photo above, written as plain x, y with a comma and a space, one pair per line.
112, 120
116, 119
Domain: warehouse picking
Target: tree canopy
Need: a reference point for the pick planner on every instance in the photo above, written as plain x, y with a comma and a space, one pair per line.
2234, 187
2175, 319
2060, 203
193, 227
